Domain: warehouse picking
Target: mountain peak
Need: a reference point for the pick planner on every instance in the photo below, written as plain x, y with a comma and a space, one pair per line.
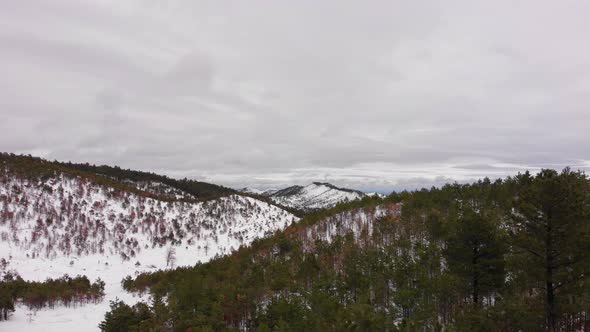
314, 196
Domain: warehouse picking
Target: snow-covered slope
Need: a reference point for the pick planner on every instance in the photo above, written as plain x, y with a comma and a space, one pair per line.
360, 222
314, 196
70, 224
70, 216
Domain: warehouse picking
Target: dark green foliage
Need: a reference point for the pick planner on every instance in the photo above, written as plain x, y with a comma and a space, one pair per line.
64, 291
6, 302
123, 318
475, 253
551, 226
459, 258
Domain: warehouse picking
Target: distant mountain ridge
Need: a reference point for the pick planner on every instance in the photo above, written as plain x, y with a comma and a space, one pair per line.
312, 197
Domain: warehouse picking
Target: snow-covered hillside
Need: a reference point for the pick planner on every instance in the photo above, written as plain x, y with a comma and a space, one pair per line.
360, 222
70, 224
314, 196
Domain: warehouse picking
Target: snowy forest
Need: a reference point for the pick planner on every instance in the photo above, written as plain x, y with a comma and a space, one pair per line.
503, 255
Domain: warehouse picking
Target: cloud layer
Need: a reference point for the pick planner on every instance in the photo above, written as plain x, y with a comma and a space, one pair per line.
374, 95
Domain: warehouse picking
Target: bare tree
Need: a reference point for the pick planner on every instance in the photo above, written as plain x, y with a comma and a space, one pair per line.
170, 257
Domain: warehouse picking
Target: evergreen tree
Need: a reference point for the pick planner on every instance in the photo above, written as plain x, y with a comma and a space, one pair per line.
6, 303
475, 253
119, 319
551, 225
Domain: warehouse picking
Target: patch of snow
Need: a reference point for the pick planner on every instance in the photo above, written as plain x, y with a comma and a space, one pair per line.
360, 222
375, 194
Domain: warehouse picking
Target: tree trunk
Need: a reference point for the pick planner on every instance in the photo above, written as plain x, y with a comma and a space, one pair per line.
550, 304
475, 292
475, 278
551, 315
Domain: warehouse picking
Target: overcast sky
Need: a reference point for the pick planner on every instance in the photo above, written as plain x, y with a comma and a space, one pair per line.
365, 94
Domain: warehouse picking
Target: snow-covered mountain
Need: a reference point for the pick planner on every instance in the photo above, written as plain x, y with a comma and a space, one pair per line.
254, 191
56, 222
314, 196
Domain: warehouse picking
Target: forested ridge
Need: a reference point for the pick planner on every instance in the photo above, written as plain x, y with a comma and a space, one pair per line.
199, 189
504, 255
125, 179
113, 176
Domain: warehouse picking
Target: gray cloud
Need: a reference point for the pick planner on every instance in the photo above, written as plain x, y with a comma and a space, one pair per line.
379, 95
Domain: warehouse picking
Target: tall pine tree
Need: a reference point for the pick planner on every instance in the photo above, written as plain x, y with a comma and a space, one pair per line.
551, 226
475, 253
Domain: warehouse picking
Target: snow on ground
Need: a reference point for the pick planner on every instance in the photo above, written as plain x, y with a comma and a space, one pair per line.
68, 225
360, 222
161, 189
110, 269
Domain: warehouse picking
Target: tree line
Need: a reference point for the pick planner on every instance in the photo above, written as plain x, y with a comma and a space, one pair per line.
36, 295
37, 168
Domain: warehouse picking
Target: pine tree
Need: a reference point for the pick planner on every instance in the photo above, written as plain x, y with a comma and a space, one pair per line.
120, 318
475, 253
6, 303
551, 225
